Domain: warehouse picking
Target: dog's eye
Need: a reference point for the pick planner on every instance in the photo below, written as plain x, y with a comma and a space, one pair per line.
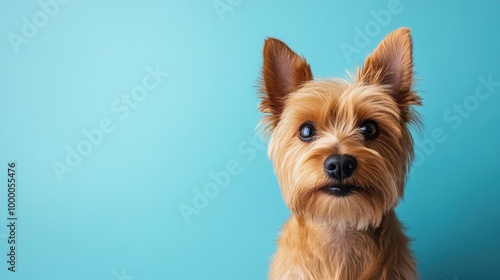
307, 131
369, 130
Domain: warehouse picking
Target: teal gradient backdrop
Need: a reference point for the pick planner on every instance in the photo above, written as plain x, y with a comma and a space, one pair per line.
171, 86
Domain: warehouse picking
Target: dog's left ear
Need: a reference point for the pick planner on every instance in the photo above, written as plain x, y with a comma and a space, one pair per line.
391, 64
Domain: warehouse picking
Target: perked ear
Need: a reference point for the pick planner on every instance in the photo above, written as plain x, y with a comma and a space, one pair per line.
391, 64
283, 72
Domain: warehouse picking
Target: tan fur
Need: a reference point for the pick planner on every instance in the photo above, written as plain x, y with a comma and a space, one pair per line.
357, 236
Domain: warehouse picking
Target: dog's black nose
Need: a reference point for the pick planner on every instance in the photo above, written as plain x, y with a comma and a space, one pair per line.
340, 167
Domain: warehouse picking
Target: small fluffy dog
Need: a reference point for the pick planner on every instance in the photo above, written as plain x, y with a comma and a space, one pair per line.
341, 151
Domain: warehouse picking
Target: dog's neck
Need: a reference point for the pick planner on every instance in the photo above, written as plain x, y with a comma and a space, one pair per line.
337, 237
346, 253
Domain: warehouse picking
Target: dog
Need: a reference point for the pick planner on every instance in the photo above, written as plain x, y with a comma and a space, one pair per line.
341, 150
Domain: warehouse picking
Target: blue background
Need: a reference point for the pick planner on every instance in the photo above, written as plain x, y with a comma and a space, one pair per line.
116, 215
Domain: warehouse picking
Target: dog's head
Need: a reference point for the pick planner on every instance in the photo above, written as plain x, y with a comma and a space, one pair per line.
341, 149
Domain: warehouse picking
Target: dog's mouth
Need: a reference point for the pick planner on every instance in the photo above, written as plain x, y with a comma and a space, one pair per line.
340, 190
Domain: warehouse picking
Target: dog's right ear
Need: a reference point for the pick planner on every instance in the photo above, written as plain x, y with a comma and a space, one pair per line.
283, 72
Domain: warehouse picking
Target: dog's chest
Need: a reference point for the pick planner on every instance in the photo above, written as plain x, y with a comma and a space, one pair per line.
326, 256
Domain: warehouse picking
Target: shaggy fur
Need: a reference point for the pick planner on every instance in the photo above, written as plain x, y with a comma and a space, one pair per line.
357, 236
